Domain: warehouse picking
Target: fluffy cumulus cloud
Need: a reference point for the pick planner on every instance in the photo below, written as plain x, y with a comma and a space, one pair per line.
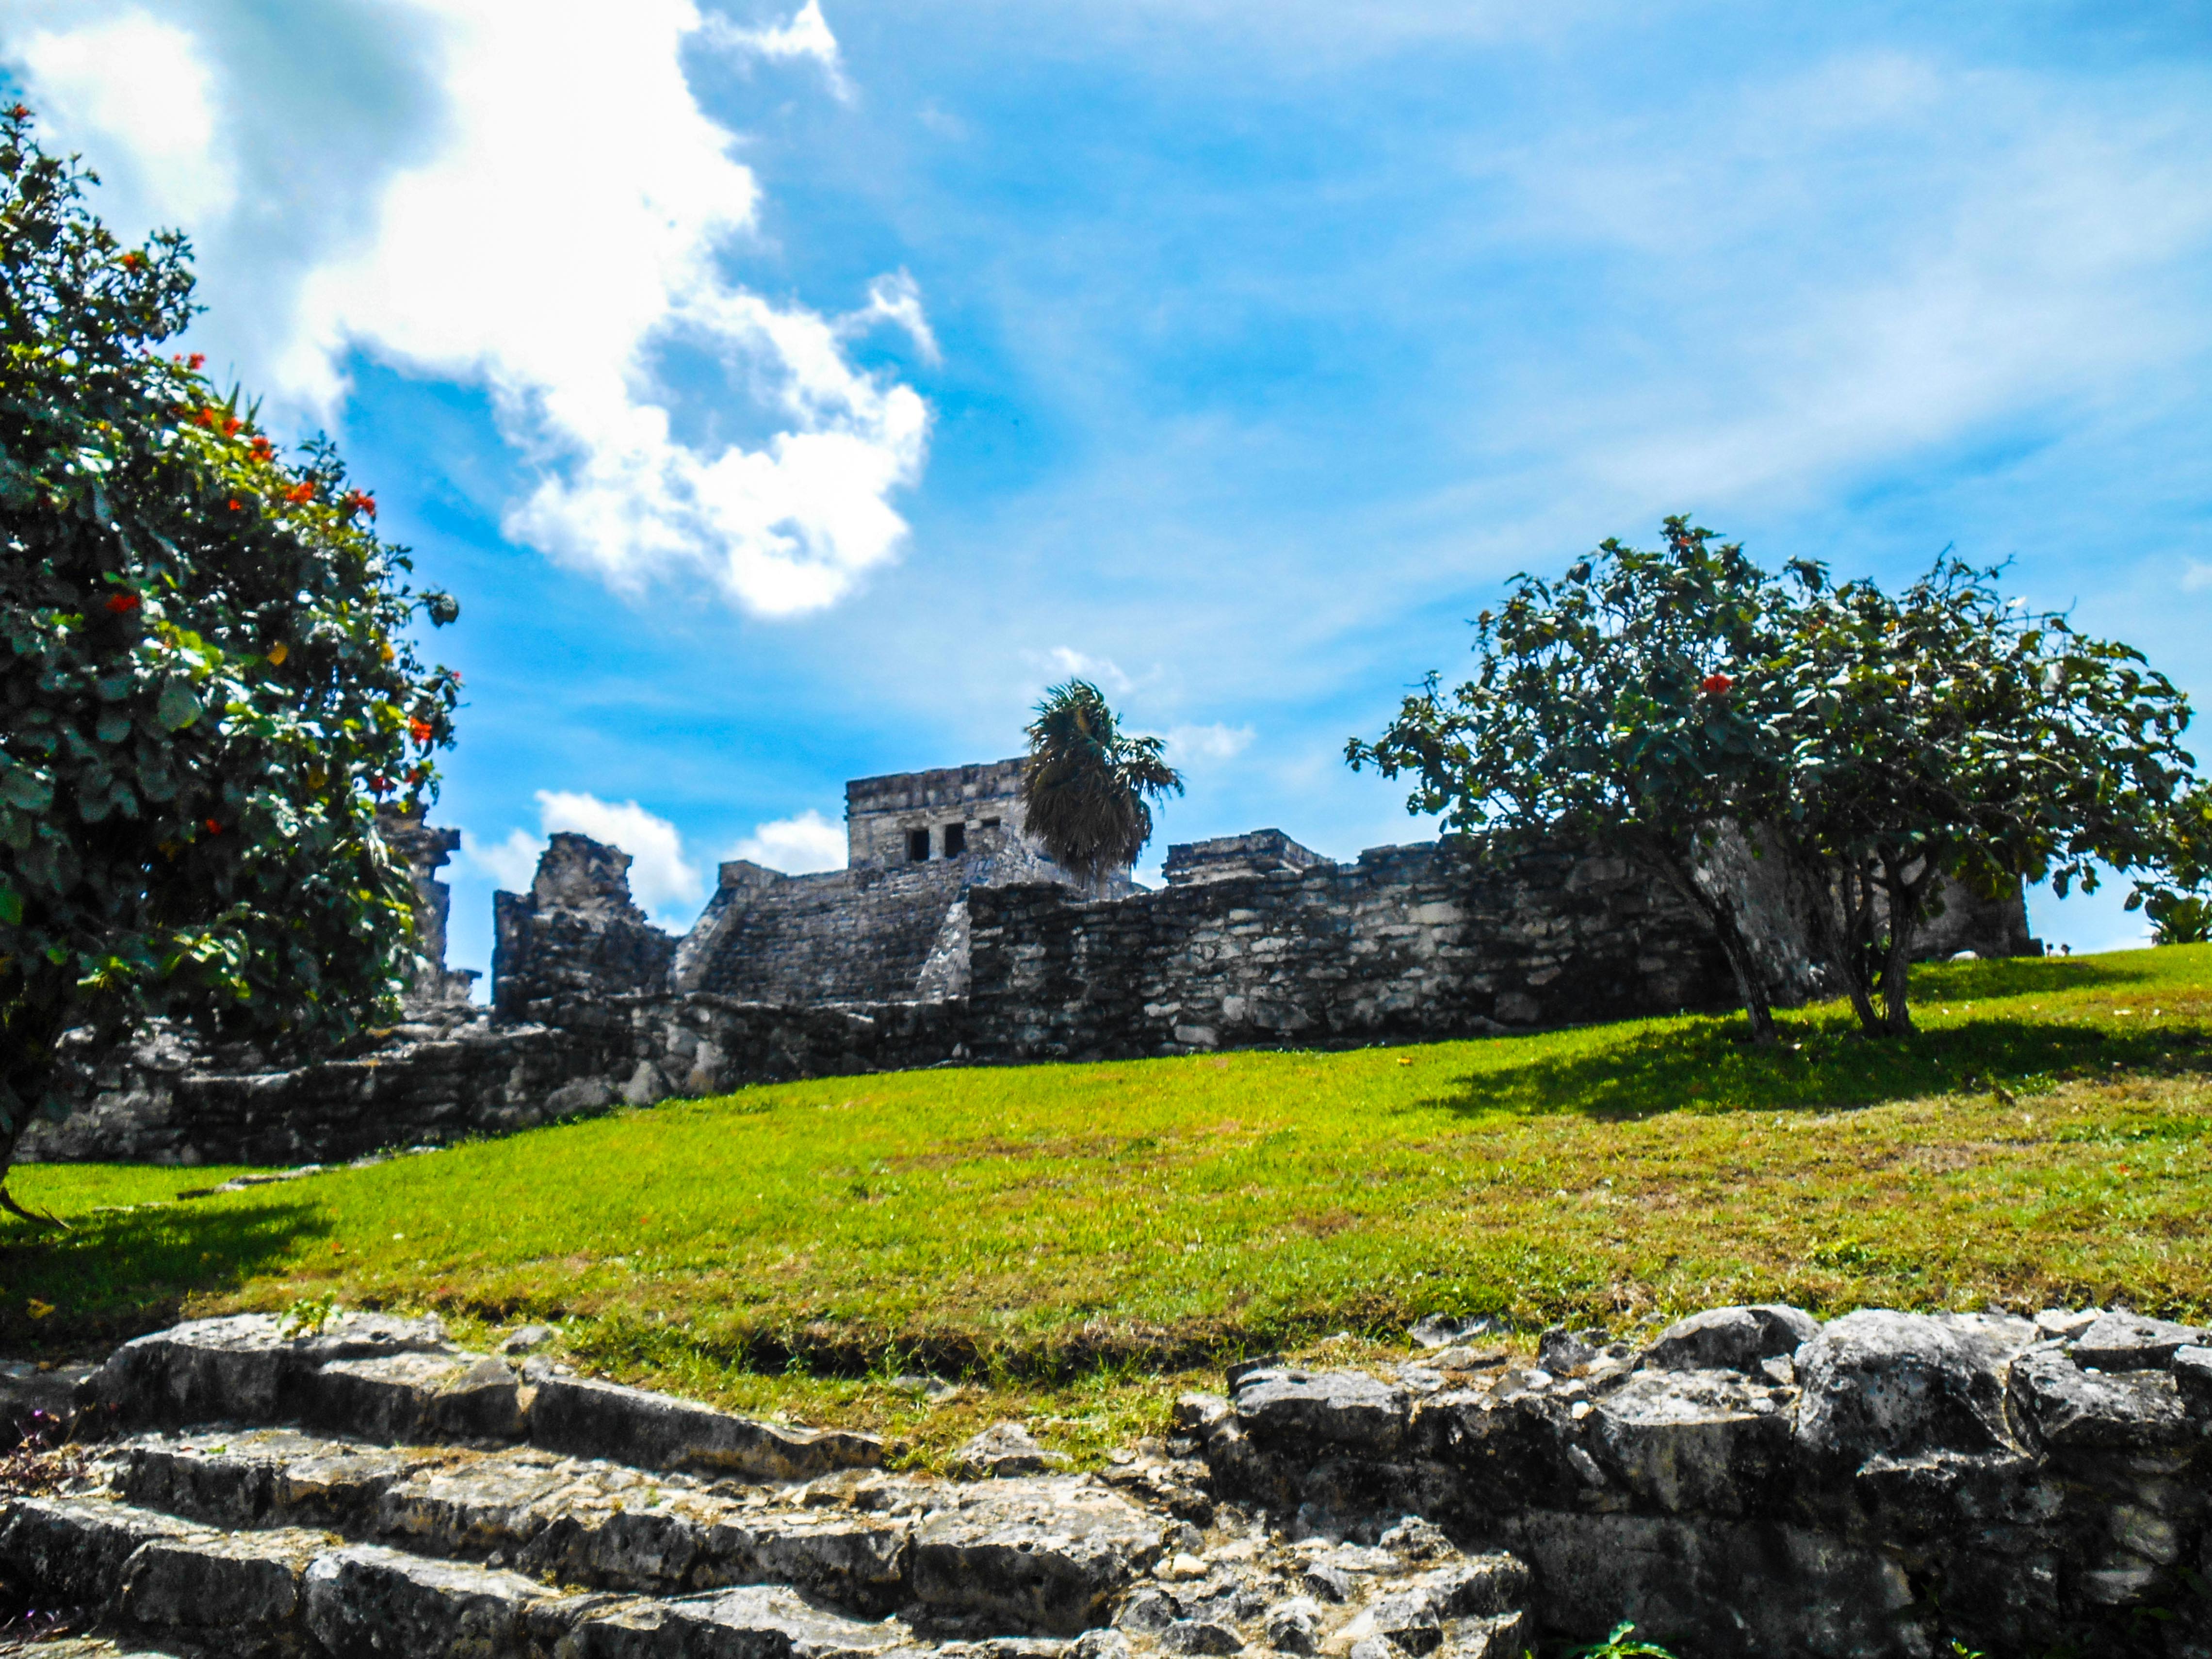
142, 84
795, 845
806, 36
1102, 672
561, 229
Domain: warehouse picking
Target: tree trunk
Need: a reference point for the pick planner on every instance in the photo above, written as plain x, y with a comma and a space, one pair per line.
31, 1031
1720, 913
1907, 894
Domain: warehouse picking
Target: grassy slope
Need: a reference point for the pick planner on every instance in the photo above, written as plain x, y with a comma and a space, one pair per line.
1049, 1229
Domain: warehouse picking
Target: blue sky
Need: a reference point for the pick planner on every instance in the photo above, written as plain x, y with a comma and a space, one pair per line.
789, 396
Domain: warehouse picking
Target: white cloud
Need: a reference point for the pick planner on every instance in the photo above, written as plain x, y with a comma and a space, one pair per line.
563, 218
795, 845
143, 86
2196, 575
895, 298
1102, 672
511, 863
1206, 745
806, 36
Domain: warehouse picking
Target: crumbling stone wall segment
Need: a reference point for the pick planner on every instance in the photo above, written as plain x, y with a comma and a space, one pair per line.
1408, 943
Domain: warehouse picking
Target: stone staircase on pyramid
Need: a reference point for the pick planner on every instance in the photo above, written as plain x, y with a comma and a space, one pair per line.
367, 1489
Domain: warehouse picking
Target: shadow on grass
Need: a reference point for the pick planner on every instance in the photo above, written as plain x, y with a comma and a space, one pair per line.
118, 1274
2024, 976
1704, 1067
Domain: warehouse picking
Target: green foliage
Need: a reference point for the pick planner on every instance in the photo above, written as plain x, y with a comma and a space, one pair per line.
1618, 1646
1650, 703
1946, 730
205, 674
1086, 789
2179, 915
1630, 705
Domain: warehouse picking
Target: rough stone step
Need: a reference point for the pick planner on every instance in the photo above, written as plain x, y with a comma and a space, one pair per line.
1041, 1554
397, 1381
277, 1591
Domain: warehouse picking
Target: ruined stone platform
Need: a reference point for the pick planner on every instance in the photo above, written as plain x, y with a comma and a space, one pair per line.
370, 1490
1750, 1482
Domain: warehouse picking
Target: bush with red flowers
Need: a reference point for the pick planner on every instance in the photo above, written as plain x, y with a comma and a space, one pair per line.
186, 814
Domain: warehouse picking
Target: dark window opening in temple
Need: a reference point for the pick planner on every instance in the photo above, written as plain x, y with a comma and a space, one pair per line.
917, 846
955, 840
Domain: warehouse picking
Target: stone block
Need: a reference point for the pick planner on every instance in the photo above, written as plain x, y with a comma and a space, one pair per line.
415, 1397
241, 1369
1731, 1338
239, 1583
591, 1419
2129, 1342
753, 1623
365, 1600
1042, 1555
1894, 1383
1709, 1441
1281, 1407
2073, 1408
72, 1549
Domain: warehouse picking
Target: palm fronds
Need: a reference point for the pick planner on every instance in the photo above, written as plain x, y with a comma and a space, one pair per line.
1086, 790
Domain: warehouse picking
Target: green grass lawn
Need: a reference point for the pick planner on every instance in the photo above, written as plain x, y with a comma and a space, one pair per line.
1075, 1239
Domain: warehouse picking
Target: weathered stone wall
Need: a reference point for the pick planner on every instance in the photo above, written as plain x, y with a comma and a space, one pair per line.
1408, 943
847, 936
1754, 1482
575, 935
435, 1084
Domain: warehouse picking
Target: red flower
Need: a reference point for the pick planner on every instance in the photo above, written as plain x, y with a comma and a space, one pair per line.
131, 262
419, 729
235, 506
123, 604
230, 424
21, 112
1715, 684
206, 417
214, 829
360, 500
299, 493
263, 449
196, 360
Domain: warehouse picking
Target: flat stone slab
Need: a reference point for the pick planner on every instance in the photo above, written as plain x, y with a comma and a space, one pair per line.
2129, 1342
241, 1369
251, 1477
587, 1418
1282, 1406
1683, 1440
763, 1622
1731, 1338
1041, 1554
414, 1397
231, 1582
365, 1600
2072, 1408
74, 1549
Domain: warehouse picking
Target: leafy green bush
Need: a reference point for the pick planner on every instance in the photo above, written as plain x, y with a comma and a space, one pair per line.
205, 673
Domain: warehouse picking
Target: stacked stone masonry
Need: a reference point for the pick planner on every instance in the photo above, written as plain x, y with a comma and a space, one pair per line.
1750, 1482
934, 947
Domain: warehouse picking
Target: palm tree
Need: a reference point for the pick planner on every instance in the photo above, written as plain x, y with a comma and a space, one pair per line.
1084, 790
